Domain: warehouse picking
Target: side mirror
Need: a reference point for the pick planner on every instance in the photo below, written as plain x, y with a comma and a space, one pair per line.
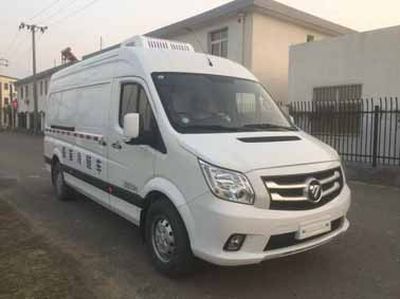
131, 126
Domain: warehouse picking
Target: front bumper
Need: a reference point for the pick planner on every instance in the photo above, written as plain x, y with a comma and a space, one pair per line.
212, 221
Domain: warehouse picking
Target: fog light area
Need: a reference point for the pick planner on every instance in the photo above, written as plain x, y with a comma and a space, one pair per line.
234, 242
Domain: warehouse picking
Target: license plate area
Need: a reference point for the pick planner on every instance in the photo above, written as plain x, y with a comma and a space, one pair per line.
310, 230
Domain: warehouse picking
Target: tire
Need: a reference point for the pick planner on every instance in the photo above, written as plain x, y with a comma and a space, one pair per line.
164, 225
61, 189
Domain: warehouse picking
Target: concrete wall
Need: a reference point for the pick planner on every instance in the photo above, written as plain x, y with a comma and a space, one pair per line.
370, 58
270, 51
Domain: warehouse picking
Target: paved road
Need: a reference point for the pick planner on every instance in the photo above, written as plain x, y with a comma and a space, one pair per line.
104, 253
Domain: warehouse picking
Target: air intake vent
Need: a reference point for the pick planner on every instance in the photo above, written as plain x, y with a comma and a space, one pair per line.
269, 139
155, 43
289, 239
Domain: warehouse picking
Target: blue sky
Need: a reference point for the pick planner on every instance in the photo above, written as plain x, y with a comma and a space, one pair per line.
80, 23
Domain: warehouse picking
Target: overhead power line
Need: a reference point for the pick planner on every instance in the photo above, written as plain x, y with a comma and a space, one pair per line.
79, 10
60, 10
13, 41
44, 9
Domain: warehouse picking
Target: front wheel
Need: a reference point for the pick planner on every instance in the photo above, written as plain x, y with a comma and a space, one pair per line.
167, 239
61, 189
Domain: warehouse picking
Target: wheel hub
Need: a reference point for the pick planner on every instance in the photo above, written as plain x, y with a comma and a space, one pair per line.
163, 239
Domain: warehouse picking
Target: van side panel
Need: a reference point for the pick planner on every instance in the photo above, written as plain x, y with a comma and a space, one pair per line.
90, 141
76, 126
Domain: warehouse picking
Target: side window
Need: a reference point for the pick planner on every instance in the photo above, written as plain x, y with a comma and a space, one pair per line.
134, 100
146, 115
129, 99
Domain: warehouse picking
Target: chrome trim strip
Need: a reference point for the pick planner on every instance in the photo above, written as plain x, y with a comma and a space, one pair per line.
278, 197
273, 185
335, 176
335, 187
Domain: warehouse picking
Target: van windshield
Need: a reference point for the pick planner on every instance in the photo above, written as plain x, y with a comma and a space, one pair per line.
201, 103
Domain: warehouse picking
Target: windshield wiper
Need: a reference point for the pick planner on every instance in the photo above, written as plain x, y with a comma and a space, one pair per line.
269, 126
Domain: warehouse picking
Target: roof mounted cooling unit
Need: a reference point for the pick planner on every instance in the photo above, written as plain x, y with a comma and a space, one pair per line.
156, 43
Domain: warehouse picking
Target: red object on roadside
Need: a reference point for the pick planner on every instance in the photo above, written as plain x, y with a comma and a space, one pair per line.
15, 104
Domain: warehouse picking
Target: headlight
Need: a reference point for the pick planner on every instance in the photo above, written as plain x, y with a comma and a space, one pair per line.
227, 184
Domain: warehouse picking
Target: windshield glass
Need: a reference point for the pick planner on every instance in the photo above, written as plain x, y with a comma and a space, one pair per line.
200, 103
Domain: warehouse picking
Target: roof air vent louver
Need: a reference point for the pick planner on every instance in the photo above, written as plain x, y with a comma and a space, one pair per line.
155, 43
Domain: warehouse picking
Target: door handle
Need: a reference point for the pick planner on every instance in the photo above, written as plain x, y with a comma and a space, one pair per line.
117, 145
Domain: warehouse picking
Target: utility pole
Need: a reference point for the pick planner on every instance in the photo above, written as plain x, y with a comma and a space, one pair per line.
3, 61
33, 29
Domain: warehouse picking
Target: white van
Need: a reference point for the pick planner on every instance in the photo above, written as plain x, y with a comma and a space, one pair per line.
193, 149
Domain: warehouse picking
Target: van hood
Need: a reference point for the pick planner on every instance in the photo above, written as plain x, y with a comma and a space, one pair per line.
247, 151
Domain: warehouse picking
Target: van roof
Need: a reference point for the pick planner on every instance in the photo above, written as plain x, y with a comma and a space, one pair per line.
143, 56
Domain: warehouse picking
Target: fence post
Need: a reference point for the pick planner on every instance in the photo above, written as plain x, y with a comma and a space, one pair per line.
375, 140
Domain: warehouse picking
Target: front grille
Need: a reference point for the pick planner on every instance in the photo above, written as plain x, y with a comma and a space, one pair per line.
289, 239
287, 192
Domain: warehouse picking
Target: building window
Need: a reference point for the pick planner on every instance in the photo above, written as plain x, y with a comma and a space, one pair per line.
45, 87
41, 88
218, 42
310, 38
26, 91
6, 101
22, 92
337, 93
5, 86
332, 107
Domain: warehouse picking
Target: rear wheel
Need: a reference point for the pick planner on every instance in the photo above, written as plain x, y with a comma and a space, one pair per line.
167, 239
61, 189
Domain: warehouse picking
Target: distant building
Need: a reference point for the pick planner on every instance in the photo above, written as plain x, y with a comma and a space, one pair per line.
25, 96
358, 65
255, 33
24, 86
7, 95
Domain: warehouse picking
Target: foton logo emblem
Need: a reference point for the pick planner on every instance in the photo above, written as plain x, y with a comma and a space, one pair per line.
313, 190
